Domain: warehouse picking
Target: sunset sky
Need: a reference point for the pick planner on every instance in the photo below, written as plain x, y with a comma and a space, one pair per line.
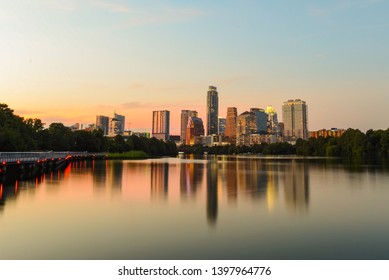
70, 60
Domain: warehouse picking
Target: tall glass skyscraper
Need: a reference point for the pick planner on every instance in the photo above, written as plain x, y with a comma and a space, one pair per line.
161, 124
295, 119
261, 117
212, 111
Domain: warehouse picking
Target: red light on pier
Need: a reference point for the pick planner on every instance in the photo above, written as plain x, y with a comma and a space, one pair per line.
18, 162
4, 162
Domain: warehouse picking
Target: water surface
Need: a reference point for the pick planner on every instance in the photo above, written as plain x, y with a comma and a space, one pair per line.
213, 208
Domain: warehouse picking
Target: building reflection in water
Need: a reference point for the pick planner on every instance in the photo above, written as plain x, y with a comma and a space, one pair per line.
159, 180
115, 177
271, 175
99, 175
252, 178
191, 178
212, 193
296, 185
231, 181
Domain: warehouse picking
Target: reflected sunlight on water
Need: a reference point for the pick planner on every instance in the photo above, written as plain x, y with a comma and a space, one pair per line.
221, 207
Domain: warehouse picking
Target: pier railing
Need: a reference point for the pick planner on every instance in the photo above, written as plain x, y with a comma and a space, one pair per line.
11, 157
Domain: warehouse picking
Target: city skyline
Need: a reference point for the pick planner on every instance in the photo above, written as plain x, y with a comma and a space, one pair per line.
69, 61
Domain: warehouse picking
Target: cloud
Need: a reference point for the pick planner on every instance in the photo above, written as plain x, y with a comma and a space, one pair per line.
132, 105
63, 5
112, 7
146, 15
164, 15
341, 6
29, 113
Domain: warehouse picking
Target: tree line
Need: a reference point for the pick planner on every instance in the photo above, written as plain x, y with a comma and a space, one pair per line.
19, 134
353, 144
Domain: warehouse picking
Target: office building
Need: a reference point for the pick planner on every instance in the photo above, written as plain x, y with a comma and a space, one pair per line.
102, 122
212, 110
246, 125
120, 122
230, 131
333, 132
194, 130
222, 126
261, 118
294, 117
114, 127
185, 114
272, 121
161, 124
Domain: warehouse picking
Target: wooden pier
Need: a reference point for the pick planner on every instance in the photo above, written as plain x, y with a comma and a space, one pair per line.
28, 164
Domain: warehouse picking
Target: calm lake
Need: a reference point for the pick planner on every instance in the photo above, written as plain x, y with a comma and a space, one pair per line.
223, 207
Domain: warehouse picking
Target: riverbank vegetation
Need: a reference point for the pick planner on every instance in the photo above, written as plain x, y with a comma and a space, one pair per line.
19, 134
353, 144
128, 155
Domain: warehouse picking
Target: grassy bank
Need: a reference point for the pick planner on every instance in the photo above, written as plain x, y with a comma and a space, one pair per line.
128, 155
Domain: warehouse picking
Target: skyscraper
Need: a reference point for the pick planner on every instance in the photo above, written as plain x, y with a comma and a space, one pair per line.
185, 114
272, 121
261, 118
222, 126
114, 127
246, 125
294, 117
230, 131
194, 129
121, 119
102, 122
212, 110
161, 123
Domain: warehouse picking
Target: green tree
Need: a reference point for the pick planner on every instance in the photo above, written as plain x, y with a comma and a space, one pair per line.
60, 137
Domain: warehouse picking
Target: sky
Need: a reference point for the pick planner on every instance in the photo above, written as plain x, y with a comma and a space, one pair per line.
70, 60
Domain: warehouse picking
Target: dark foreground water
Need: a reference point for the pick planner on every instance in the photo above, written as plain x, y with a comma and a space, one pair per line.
214, 208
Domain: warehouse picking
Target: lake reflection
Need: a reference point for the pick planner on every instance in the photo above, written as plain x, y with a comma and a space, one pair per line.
198, 208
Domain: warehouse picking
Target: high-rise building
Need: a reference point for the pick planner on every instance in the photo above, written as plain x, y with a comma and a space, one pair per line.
272, 121
160, 126
194, 129
212, 110
230, 131
222, 126
261, 118
102, 122
185, 114
121, 122
246, 125
114, 127
295, 119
